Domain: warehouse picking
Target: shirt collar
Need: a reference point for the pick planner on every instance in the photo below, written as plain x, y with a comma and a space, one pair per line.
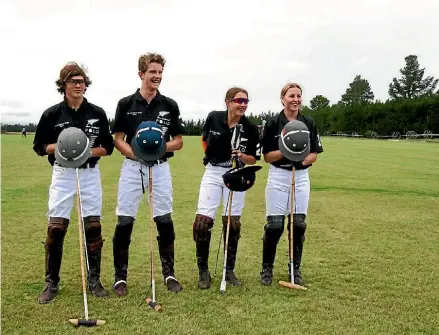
83, 104
139, 97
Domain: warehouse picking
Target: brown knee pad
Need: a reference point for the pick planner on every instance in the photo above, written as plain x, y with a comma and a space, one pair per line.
235, 226
56, 231
93, 233
202, 228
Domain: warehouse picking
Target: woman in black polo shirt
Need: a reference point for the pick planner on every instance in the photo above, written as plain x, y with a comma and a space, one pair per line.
218, 130
277, 192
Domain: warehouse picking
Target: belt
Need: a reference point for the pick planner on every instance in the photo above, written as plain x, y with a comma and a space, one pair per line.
156, 162
88, 166
83, 166
222, 164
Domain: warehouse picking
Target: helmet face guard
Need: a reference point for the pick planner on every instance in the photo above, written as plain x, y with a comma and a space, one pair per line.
241, 179
73, 148
148, 143
294, 142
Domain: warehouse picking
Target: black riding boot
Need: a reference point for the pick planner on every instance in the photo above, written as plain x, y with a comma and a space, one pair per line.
299, 239
56, 232
94, 275
53, 257
121, 243
166, 251
202, 252
272, 232
234, 236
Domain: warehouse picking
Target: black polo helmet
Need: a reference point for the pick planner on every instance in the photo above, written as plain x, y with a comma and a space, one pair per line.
294, 141
240, 179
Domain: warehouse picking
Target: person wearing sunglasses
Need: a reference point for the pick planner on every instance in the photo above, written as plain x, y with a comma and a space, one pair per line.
146, 104
278, 188
218, 130
73, 111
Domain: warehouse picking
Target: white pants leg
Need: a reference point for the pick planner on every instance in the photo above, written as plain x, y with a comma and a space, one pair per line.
130, 188
278, 192
212, 188
63, 189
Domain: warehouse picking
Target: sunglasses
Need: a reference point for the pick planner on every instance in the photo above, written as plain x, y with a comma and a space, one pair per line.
75, 81
240, 101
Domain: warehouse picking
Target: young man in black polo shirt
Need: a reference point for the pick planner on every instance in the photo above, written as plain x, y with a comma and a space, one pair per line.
277, 192
146, 104
216, 139
74, 111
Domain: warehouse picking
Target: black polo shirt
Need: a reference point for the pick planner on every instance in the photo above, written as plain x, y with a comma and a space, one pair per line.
89, 118
272, 132
132, 110
218, 136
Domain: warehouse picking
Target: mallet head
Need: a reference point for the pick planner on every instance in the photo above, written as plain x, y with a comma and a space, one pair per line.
86, 323
292, 285
153, 305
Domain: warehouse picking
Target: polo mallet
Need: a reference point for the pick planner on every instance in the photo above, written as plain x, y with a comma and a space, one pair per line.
151, 301
82, 241
236, 139
290, 245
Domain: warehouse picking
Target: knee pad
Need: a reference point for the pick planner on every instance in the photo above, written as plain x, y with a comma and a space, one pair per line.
274, 227
93, 233
165, 228
299, 225
123, 230
235, 226
202, 228
56, 231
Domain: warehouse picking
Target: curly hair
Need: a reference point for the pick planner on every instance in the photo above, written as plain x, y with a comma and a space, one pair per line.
70, 70
149, 58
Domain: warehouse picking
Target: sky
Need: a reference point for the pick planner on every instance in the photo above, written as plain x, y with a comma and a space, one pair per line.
209, 46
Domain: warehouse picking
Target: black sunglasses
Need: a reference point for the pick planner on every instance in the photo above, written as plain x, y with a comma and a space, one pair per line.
75, 81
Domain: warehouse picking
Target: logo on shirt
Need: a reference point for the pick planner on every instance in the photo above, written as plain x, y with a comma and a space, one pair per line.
62, 124
92, 130
164, 120
92, 121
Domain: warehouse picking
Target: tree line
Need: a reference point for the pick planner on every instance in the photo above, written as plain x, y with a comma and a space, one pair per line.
413, 105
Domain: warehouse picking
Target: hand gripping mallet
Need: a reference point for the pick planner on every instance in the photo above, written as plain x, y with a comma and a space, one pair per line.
151, 301
83, 322
290, 253
236, 139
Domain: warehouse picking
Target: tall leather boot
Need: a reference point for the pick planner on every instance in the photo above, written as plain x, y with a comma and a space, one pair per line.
234, 236
273, 230
53, 246
94, 275
94, 243
299, 228
202, 253
121, 244
166, 251
202, 235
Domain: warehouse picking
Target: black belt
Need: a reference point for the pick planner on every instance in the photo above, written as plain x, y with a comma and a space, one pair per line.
227, 164
83, 166
156, 162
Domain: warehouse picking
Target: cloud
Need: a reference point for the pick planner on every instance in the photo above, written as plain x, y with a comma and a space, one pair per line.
260, 46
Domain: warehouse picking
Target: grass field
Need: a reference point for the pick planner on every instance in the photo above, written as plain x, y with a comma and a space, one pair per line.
370, 258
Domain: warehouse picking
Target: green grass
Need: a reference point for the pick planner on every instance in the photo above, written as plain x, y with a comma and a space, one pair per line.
371, 253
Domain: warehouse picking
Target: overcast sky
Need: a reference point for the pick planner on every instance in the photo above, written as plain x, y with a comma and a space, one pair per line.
209, 46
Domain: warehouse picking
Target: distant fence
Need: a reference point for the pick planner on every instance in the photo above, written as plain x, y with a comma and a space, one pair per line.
396, 135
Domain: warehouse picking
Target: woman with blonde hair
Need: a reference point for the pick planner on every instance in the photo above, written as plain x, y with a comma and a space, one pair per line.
279, 184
